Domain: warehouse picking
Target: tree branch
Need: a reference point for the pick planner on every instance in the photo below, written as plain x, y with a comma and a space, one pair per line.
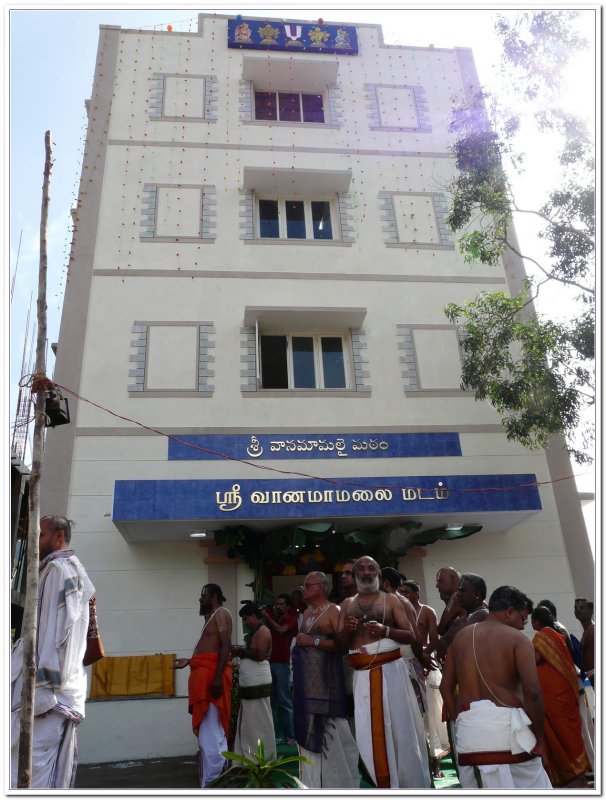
568, 228
550, 275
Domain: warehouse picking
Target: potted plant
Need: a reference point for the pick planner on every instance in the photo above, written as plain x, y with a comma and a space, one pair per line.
258, 772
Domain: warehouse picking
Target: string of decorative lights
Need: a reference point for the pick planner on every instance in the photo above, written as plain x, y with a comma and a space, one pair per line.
409, 66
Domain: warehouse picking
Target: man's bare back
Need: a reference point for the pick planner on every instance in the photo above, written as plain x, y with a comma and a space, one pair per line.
503, 655
498, 650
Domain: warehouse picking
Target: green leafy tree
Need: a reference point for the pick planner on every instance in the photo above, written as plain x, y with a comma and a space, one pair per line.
536, 369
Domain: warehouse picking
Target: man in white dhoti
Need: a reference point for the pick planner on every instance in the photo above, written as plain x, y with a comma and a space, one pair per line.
389, 728
255, 719
436, 731
321, 726
414, 657
498, 707
64, 591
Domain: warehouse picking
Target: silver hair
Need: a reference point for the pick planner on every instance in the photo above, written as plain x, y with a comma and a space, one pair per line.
60, 524
323, 579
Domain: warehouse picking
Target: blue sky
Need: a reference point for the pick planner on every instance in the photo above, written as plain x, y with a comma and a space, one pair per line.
51, 60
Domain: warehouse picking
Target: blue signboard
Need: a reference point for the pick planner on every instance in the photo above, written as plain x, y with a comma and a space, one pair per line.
231, 500
293, 37
312, 445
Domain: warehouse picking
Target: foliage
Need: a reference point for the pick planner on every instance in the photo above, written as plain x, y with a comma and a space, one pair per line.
258, 772
537, 371
522, 366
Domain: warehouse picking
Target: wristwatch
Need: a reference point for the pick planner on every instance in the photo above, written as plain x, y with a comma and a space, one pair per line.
316, 643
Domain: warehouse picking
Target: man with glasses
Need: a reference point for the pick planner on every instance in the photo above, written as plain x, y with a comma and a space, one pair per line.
498, 707
321, 724
282, 623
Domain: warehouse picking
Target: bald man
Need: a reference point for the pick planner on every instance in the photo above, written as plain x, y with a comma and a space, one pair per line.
447, 584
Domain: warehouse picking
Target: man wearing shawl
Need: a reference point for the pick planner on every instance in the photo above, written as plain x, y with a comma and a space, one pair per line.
321, 727
210, 683
255, 720
389, 728
565, 757
64, 591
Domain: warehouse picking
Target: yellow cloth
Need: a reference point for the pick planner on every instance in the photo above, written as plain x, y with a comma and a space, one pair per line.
129, 676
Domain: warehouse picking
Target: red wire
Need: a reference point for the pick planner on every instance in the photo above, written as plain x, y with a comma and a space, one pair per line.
256, 465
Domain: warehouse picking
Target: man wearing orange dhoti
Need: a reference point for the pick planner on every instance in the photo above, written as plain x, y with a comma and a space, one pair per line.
210, 683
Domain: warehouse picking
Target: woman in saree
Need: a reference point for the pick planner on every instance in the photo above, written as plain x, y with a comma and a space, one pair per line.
565, 758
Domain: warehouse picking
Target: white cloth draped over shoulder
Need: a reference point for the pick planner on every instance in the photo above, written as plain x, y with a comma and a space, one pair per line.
404, 731
255, 720
63, 594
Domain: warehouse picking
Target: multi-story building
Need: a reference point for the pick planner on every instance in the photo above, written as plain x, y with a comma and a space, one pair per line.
254, 329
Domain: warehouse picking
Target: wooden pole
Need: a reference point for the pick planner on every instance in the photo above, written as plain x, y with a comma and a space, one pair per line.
30, 612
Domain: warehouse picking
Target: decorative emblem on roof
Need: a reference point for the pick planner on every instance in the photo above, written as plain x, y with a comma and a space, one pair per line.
268, 34
318, 37
242, 33
314, 37
293, 34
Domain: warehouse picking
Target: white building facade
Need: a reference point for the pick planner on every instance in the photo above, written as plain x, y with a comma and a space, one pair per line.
254, 327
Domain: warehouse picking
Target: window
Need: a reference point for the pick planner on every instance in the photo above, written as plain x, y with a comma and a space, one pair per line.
289, 107
303, 362
295, 219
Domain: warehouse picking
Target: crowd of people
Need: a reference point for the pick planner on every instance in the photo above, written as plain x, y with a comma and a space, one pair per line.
367, 681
